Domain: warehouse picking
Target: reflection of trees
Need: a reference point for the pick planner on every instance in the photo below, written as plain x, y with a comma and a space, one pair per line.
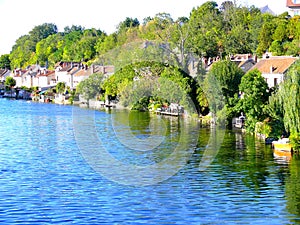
142, 125
243, 162
292, 187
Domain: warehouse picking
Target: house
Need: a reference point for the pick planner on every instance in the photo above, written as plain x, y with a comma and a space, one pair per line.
45, 79
29, 77
64, 72
274, 68
86, 71
244, 61
72, 73
18, 76
3, 74
294, 7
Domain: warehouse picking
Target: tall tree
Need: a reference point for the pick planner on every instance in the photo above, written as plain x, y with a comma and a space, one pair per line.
229, 75
91, 87
40, 32
289, 96
5, 61
10, 82
206, 28
255, 97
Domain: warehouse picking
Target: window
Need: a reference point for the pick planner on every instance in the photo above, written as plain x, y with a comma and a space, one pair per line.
275, 81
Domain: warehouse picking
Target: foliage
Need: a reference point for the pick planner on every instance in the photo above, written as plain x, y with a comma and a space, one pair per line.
210, 31
254, 98
10, 82
229, 75
171, 82
289, 100
91, 87
206, 29
263, 128
60, 87
5, 61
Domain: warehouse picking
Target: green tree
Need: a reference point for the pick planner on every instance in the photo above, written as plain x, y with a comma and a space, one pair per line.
265, 37
5, 61
91, 87
206, 30
60, 87
10, 82
41, 32
289, 97
21, 52
254, 98
228, 77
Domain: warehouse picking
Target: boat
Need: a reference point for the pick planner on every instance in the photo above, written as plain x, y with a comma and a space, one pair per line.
282, 155
282, 144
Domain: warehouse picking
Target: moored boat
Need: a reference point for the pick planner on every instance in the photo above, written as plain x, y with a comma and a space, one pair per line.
282, 145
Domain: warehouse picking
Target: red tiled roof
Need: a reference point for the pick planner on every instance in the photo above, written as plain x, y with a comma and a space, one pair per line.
48, 73
290, 4
278, 64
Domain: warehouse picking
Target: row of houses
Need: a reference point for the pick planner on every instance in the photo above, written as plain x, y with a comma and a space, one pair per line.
273, 69
71, 73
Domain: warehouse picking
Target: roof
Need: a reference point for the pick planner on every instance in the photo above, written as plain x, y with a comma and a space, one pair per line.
247, 65
45, 73
3, 72
266, 9
290, 4
279, 64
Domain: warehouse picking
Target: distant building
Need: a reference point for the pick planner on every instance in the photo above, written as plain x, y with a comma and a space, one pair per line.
294, 7
266, 9
244, 61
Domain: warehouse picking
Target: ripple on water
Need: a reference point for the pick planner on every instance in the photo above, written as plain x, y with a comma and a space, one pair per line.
45, 180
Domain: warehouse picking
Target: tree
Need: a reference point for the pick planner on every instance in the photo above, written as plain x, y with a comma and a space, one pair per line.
5, 62
60, 87
265, 36
289, 98
254, 98
10, 82
206, 30
228, 76
91, 87
41, 32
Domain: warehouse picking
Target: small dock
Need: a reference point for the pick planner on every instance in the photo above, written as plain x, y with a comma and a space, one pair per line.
168, 113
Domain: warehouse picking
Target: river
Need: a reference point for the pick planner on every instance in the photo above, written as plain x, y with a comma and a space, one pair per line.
67, 165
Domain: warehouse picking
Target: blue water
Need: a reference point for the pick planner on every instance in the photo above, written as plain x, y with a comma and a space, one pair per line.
45, 178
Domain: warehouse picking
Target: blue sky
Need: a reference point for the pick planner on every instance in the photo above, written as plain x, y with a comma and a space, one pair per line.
18, 17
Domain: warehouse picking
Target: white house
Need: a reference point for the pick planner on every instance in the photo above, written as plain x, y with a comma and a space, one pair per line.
274, 68
294, 7
45, 79
64, 72
18, 76
85, 72
3, 74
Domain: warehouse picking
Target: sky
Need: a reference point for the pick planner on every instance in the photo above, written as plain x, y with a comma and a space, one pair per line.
18, 17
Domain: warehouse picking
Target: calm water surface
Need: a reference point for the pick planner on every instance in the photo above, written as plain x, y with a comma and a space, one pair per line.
44, 178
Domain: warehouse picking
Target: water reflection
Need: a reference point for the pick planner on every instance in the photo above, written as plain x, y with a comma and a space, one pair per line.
45, 179
292, 188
